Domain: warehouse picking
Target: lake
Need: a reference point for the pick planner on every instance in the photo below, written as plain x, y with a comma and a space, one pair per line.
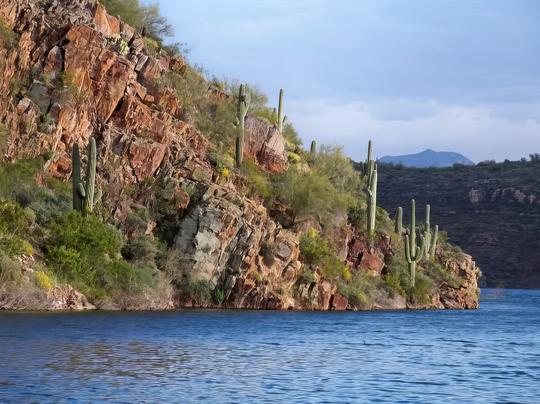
488, 355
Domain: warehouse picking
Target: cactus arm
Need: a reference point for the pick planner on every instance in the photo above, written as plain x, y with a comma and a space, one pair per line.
398, 226
313, 148
407, 251
427, 231
81, 191
434, 241
90, 184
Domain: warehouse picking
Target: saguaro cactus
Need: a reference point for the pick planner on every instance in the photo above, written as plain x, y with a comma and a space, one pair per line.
370, 168
398, 226
313, 148
413, 253
372, 203
83, 194
244, 101
281, 117
76, 178
431, 241
369, 165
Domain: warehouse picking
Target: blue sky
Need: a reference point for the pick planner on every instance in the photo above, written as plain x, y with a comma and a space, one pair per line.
458, 75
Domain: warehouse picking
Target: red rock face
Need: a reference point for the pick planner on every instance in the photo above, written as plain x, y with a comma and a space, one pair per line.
339, 302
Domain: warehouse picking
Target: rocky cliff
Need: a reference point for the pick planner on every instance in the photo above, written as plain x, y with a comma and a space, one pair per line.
491, 210
76, 72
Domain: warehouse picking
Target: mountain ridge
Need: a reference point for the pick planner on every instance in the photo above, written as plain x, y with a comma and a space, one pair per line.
428, 158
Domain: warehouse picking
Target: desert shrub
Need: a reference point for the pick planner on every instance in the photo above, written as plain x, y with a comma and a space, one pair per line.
143, 250
79, 250
218, 296
258, 179
138, 16
120, 276
10, 272
316, 250
357, 215
18, 183
308, 277
268, 253
7, 37
43, 280
291, 135
395, 283
311, 193
216, 119
88, 235
198, 290
191, 88
86, 253
15, 229
423, 289
438, 274
361, 290
337, 168
137, 221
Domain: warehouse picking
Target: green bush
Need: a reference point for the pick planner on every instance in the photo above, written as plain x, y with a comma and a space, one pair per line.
360, 290
394, 282
143, 250
138, 16
199, 291
423, 289
258, 180
316, 250
87, 235
7, 37
308, 277
15, 229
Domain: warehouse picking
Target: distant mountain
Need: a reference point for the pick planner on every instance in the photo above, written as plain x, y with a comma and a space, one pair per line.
428, 158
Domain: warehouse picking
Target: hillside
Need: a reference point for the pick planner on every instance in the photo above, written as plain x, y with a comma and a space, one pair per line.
188, 192
427, 158
491, 210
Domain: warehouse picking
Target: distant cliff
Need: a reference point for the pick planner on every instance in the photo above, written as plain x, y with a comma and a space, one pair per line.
427, 158
490, 210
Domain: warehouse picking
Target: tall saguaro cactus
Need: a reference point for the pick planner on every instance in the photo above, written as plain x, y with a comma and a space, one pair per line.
244, 101
83, 194
281, 117
76, 178
369, 165
398, 226
413, 253
372, 203
371, 191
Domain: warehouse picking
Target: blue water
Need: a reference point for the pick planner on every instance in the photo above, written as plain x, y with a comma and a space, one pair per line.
489, 355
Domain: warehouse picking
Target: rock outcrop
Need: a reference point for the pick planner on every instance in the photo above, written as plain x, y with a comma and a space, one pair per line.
70, 78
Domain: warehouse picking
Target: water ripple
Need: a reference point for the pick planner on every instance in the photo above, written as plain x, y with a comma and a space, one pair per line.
490, 355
